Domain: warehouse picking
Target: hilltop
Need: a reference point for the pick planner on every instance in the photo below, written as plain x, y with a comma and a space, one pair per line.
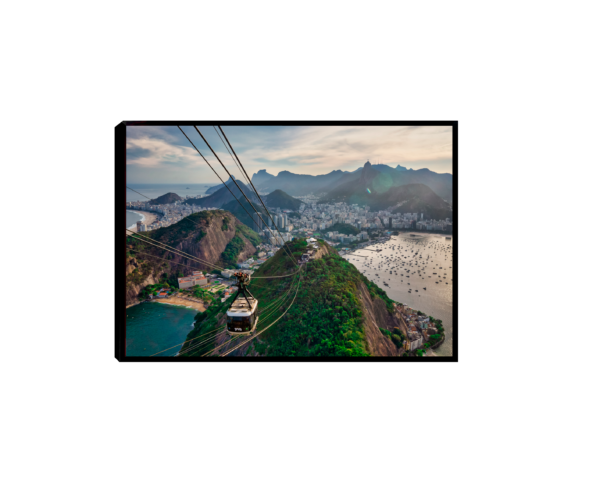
281, 199
223, 196
217, 187
168, 198
217, 237
337, 311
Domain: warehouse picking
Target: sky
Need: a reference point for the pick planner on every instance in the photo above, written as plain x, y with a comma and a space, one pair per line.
157, 155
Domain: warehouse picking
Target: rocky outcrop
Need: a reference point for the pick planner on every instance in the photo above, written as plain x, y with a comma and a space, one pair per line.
376, 316
204, 237
136, 280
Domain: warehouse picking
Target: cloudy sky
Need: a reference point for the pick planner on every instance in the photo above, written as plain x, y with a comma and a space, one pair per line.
164, 155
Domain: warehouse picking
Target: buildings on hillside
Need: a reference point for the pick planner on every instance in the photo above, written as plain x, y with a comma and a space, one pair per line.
196, 278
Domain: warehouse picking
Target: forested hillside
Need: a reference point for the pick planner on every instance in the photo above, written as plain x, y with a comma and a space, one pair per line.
337, 311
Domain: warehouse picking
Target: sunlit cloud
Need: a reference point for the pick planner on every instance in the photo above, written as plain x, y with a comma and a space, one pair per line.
163, 154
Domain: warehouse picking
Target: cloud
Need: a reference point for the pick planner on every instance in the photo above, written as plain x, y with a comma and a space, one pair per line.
163, 154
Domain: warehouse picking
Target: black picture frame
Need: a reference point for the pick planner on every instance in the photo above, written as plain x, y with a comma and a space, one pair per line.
120, 242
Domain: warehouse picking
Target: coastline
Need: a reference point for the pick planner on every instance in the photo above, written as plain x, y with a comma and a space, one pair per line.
147, 218
179, 301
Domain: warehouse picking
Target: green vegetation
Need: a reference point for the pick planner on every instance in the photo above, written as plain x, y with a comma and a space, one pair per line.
225, 225
232, 251
249, 234
325, 320
397, 337
206, 321
344, 229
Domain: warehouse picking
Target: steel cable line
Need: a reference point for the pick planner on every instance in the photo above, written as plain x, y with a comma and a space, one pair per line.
270, 325
138, 193
211, 167
162, 259
228, 151
275, 305
174, 250
252, 184
202, 342
186, 341
247, 199
263, 312
166, 248
262, 320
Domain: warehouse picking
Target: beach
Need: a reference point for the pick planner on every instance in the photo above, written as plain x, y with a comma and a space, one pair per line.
181, 302
147, 218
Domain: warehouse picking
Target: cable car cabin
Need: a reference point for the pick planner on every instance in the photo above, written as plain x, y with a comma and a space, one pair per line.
242, 317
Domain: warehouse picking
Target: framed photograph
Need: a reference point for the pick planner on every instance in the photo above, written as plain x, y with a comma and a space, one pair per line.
286, 241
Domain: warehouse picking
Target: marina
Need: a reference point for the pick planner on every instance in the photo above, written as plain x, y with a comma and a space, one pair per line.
413, 257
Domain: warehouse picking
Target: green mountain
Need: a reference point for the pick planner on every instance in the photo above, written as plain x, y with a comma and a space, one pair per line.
344, 229
337, 312
168, 198
282, 200
216, 237
253, 222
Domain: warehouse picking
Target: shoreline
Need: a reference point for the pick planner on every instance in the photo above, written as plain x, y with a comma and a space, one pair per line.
179, 301
147, 218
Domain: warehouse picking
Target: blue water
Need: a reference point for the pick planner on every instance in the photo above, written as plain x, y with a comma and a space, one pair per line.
132, 218
153, 327
156, 190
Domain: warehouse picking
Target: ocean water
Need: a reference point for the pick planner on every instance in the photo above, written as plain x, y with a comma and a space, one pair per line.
433, 260
156, 190
132, 218
153, 327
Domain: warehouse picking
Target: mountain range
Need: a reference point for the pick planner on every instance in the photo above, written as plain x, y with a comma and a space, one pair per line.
304, 184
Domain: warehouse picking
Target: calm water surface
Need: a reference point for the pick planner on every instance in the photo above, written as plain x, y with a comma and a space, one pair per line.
405, 257
157, 190
152, 327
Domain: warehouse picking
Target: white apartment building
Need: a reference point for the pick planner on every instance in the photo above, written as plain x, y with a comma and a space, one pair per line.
196, 278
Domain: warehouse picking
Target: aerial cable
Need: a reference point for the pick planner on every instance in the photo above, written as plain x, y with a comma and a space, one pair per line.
139, 193
252, 184
263, 330
251, 205
261, 320
172, 250
275, 305
166, 248
196, 345
163, 259
186, 341
245, 177
144, 238
208, 163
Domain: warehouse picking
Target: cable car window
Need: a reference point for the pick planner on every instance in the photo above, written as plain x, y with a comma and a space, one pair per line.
238, 324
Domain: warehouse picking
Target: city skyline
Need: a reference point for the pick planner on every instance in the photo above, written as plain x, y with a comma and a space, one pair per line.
162, 154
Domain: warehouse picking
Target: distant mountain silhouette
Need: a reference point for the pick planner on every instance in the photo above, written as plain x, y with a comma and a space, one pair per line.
282, 200
303, 184
222, 196
217, 187
167, 198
